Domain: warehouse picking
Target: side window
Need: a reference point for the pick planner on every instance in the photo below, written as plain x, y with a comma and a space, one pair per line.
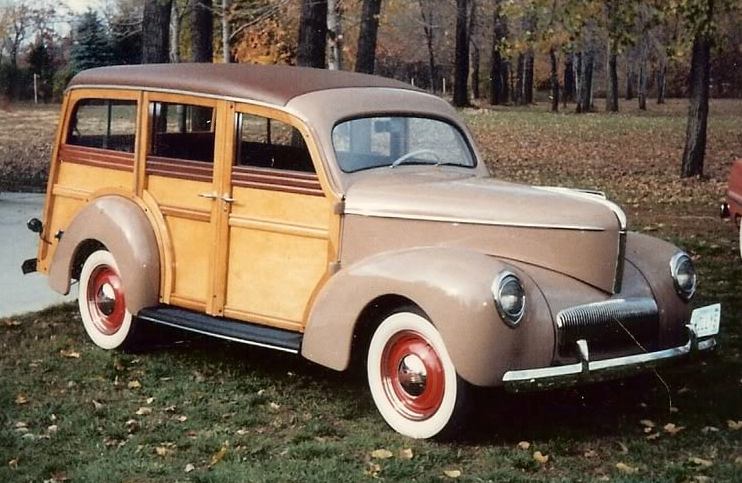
104, 123
183, 131
268, 143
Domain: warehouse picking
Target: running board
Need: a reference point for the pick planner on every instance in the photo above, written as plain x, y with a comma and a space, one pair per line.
234, 330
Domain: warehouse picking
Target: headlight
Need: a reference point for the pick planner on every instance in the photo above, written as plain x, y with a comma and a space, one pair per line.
683, 275
510, 298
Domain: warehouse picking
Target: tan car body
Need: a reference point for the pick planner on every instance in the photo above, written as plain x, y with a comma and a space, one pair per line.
360, 243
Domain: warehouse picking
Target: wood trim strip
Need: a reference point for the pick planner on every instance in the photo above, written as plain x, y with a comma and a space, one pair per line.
180, 168
274, 172
67, 192
187, 302
263, 319
276, 181
101, 158
274, 227
189, 214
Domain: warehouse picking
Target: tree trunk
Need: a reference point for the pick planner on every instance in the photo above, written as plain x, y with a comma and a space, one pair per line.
506, 82
475, 71
202, 31
174, 34
520, 72
630, 81
156, 31
611, 98
578, 81
498, 74
584, 103
495, 92
695, 135
312, 34
554, 81
528, 78
461, 58
334, 36
568, 90
642, 86
226, 32
661, 83
366, 56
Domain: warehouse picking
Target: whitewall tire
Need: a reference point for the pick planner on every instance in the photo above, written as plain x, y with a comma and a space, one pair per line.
102, 302
412, 379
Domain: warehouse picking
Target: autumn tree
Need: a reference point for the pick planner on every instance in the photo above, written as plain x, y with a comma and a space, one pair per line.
155, 31
428, 17
461, 58
499, 71
366, 55
312, 34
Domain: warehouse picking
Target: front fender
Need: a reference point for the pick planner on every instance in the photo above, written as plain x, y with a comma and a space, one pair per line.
453, 287
122, 226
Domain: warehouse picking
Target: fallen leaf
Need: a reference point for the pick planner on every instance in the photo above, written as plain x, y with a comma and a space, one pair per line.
13, 464
170, 409
218, 456
71, 354
98, 406
452, 473
590, 454
275, 406
182, 419
381, 454
134, 384
700, 462
647, 423
372, 470
406, 454
673, 409
702, 478
163, 451
733, 425
524, 445
540, 458
21, 424
624, 448
52, 429
709, 429
624, 468
21, 399
189, 467
132, 425
144, 410
150, 400
653, 436
672, 429
738, 460
12, 323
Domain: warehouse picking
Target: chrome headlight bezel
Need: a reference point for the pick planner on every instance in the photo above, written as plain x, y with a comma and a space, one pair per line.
676, 266
503, 280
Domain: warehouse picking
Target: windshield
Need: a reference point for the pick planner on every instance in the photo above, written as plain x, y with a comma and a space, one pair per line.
372, 142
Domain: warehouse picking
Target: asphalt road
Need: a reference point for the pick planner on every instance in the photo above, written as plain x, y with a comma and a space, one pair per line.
22, 293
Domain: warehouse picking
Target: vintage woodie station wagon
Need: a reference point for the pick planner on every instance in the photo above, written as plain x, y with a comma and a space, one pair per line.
342, 216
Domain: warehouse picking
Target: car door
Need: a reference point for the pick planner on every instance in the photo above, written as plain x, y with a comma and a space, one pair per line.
279, 224
182, 176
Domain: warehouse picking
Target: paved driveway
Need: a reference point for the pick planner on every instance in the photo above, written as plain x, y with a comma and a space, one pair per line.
22, 293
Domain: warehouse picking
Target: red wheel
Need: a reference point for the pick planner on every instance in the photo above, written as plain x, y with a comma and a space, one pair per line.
102, 301
412, 379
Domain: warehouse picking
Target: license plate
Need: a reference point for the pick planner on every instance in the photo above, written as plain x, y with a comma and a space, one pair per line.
705, 320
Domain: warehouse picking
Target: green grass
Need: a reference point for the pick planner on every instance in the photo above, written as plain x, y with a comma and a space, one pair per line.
244, 414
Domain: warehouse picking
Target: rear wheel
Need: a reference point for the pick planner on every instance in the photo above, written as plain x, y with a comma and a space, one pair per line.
413, 380
102, 302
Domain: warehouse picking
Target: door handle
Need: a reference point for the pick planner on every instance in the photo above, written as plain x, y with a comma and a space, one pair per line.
210, 196
227, 199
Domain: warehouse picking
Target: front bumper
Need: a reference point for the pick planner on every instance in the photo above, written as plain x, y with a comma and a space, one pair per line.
587, 371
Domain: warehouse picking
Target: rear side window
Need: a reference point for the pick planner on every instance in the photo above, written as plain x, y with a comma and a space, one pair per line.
183, 131
269, 143
105, 124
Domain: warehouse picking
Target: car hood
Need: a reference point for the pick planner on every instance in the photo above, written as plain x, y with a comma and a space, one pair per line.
574, 232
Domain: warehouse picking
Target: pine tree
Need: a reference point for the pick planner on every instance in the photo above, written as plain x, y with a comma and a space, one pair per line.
92, 45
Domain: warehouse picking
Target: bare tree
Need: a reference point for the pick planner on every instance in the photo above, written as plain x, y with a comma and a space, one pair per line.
226, 31
611, 97
461, 58
202, 31
156, 31
312, 34
427, 14
499, 78
366, 55
334, 35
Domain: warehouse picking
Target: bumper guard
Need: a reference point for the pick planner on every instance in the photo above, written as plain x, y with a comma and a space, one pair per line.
592, 371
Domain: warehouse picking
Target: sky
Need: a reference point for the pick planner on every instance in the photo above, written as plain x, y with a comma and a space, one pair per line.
82, 5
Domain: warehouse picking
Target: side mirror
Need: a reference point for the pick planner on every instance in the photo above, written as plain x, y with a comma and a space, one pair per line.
35, 225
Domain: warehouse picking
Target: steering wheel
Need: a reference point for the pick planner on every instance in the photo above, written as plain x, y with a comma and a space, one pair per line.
412, 154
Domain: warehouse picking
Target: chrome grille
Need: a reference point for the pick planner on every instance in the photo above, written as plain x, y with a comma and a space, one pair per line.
610, 325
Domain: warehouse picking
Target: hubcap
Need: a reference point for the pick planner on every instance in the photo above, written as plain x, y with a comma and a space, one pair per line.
106, 300
412, 375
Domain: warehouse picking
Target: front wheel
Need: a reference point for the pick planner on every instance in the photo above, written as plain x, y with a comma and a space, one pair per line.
102, 302
413, 380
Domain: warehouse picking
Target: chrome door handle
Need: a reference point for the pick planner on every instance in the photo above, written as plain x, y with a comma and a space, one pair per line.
211, 196
227, 199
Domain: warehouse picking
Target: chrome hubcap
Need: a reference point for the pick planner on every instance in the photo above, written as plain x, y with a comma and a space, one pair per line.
412, 375
105, 299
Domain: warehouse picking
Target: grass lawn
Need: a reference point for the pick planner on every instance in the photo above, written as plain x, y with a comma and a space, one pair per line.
194, 409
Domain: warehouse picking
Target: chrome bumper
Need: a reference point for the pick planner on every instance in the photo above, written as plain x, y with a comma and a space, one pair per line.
591, 371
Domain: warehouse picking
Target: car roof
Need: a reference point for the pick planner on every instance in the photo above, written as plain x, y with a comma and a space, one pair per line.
271, 84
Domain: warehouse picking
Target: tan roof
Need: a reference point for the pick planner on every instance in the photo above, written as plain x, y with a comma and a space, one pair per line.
273, 84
